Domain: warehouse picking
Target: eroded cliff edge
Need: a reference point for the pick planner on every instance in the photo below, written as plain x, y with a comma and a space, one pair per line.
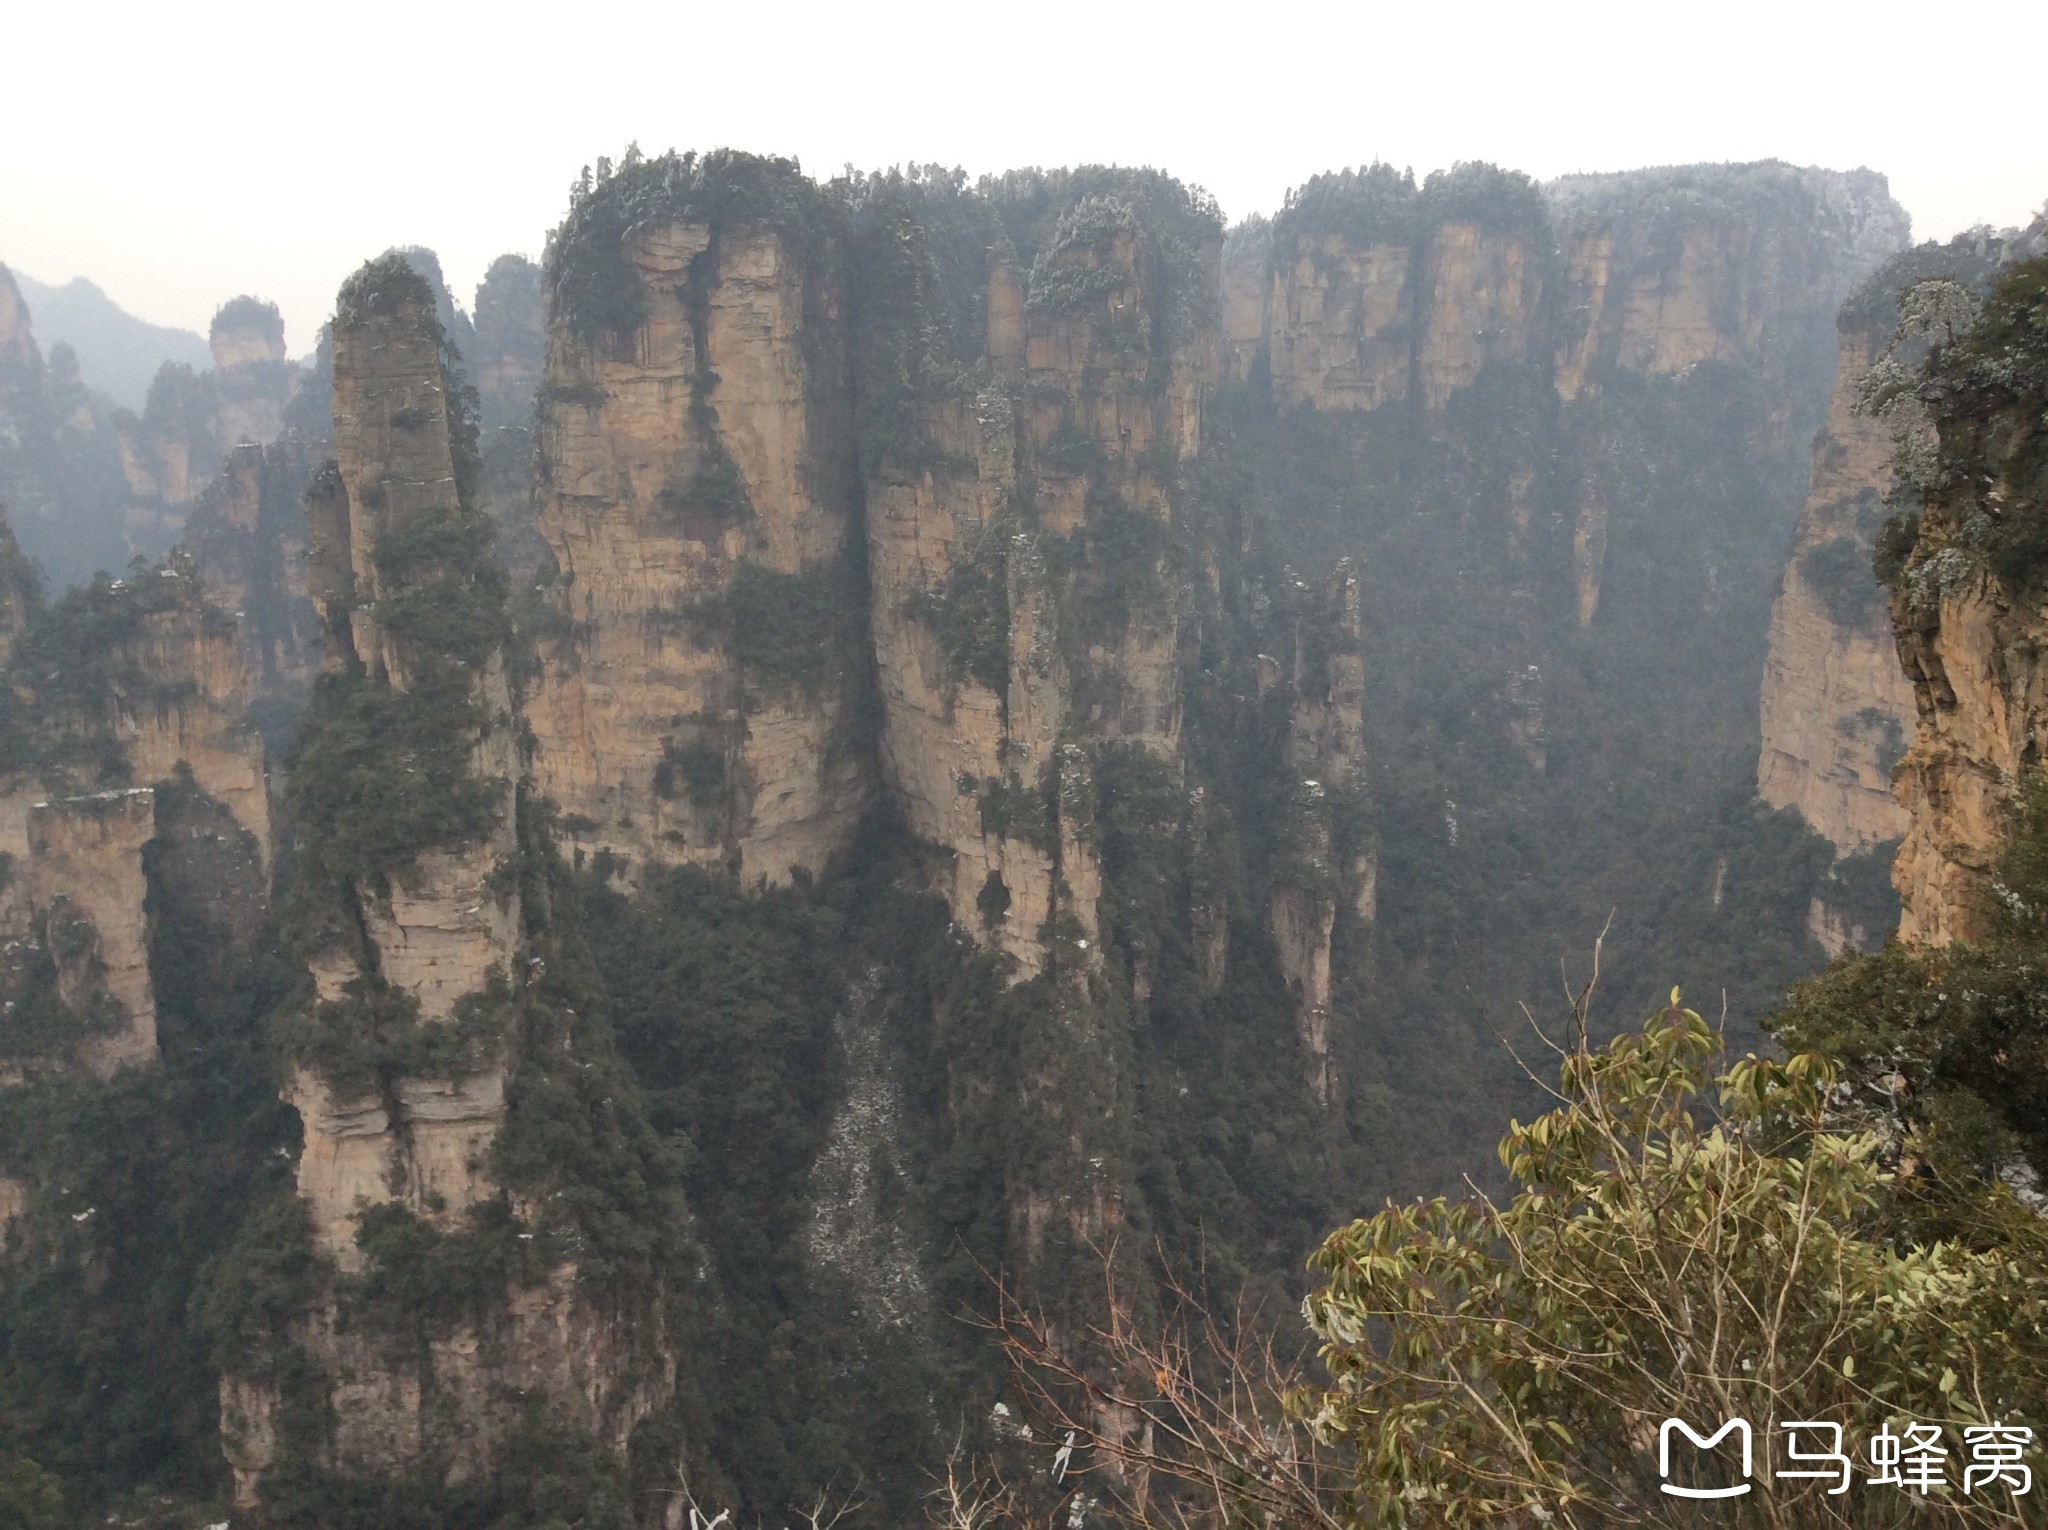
1962, 563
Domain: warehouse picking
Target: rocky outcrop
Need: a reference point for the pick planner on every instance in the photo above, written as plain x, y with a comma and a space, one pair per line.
1836, 706
1966, 603
698, 493
193, 420
126, 682
423, 985
1022, 608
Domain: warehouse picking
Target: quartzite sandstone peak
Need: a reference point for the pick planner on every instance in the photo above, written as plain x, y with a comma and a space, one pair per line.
1021, 542
698, 493
418, 942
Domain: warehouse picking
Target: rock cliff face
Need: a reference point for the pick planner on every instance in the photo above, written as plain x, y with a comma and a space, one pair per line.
1018, 531
1381, 293
193, 420
85, 879
422, 979
1960, 611
247, 538
118, 684
1983, 720
1836, 706
698, 494
1667, 269
1965, 591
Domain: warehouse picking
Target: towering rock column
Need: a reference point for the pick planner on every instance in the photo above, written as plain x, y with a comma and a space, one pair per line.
698, 491
1968, 610
414, 901
1025, 605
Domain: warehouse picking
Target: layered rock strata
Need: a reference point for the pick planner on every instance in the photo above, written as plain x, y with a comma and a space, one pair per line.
699, 498
1021, 605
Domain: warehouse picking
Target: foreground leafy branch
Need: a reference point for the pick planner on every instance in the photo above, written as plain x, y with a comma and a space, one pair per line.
1682, 1241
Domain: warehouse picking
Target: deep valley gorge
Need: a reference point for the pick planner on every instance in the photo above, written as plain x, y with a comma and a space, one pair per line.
598, 884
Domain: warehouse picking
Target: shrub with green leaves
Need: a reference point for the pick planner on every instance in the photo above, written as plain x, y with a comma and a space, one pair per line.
1681, 1241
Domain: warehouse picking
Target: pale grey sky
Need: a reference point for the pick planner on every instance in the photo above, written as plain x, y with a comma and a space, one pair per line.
180, 154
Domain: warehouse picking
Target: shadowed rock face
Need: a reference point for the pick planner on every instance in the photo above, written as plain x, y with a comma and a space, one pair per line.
1836, 706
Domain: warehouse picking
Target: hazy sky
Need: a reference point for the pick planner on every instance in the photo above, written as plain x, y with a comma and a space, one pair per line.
180, 154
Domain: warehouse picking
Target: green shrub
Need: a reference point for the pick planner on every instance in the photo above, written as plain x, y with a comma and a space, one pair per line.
591, 283
781, 629
970, 617
1840, 571
379, 775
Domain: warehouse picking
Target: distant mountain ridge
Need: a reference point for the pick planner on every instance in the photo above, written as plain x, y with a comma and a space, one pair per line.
118, 354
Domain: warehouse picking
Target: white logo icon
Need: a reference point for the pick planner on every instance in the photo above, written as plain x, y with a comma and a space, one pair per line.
1736, 1426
